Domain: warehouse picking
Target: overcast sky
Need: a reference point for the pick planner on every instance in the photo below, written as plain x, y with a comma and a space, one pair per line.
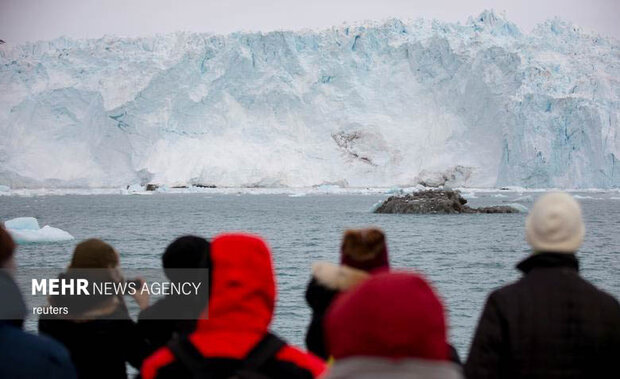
29, 20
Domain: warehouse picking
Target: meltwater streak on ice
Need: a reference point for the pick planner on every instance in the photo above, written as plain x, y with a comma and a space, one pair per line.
366, 105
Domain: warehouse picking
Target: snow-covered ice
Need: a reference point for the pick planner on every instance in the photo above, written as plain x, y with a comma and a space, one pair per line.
27, 230
479, 104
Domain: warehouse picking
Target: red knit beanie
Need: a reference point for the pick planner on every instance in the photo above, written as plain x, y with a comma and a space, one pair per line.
364, 249
393, 315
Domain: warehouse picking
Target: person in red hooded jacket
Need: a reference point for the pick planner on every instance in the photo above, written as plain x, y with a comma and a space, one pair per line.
232, 337
391, 326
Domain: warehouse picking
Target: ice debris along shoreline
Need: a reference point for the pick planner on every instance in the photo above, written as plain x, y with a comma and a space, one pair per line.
479, 104
507, 194
27, 230
436, 202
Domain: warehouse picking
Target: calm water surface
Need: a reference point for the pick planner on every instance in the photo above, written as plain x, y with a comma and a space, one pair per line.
465, 256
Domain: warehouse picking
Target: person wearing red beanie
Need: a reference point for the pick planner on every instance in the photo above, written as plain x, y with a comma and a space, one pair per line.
390, 326
363, 251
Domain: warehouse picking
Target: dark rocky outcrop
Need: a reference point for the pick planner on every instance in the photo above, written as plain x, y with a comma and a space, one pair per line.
435, 202
152, 187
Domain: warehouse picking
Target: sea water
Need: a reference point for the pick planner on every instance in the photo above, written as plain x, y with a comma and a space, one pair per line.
464, 256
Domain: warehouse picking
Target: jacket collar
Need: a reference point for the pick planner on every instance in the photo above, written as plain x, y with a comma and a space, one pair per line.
338, 277
549, 260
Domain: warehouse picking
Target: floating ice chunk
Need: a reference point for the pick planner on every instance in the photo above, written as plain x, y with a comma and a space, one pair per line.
376, 205
27, 230
300, 194
4, 188
23, 223
582, 197
469, 195
520, 207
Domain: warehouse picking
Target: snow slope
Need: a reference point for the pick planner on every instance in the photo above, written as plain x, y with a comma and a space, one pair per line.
382, 104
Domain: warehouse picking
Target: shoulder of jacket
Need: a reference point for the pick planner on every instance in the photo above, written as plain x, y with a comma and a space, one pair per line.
151, 365
302, 359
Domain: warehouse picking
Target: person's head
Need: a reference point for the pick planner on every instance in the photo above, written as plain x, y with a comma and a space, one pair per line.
7, 249
364, 249
554, 224
94, 253
189, 252
390, 315
243, 288
98, 262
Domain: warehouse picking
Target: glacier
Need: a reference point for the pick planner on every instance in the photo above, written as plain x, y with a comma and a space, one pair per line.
383, 104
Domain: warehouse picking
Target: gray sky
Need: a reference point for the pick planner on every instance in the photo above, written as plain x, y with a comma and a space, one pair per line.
29, 20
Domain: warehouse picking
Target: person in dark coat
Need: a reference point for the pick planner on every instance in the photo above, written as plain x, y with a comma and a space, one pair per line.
391, 326
551, 323
187, 252
99, 333
362, 251
239, 311
24, 355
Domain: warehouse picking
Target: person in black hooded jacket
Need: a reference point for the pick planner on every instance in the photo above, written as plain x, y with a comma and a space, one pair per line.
187, 252
551, 323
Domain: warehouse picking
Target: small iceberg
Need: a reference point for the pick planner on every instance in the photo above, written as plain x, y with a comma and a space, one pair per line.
520, 207
27, 230
300, 194
582, 197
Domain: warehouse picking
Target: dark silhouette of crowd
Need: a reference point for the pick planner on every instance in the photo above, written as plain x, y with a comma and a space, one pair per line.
369, 319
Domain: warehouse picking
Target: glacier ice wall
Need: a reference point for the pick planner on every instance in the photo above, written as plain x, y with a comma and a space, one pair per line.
364, 105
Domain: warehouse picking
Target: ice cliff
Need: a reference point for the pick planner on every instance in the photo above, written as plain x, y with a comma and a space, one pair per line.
379, 104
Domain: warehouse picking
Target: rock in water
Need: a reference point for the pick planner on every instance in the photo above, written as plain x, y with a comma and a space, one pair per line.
434, 202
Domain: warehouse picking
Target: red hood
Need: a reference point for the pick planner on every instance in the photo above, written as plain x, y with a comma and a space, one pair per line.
243, 290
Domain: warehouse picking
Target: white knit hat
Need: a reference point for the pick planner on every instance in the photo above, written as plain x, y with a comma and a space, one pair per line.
555, 224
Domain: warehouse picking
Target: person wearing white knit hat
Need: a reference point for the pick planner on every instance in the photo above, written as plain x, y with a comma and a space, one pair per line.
555, 224
551, 323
